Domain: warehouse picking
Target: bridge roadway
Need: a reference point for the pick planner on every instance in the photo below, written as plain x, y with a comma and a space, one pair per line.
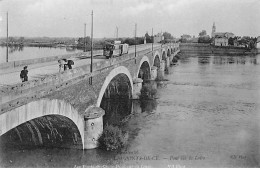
41, 70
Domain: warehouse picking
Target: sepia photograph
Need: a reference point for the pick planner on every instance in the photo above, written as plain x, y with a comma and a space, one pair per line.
129, 84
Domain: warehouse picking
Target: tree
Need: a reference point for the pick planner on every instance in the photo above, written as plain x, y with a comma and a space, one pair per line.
11, 39
168, 36
132, 41
21, 40
148, 38
231, 41
203, 33
81, 41
185, 38
204, 39
248, 42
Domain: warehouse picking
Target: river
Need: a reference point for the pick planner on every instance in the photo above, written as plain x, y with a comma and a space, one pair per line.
23, 53
207, 115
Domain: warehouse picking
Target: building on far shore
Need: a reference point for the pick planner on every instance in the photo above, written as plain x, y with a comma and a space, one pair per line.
158, 37
258, 42
194, 40
220, 38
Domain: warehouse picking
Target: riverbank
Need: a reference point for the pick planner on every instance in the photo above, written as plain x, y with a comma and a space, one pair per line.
207, 49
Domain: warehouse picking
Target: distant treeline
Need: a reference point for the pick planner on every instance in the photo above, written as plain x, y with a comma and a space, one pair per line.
79, 43
59, 42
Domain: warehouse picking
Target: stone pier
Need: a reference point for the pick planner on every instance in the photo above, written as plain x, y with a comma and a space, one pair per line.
167, 62
153, 72
160, 74
93, 126
137, 86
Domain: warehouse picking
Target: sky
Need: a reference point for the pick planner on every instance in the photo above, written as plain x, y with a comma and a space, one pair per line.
66, 18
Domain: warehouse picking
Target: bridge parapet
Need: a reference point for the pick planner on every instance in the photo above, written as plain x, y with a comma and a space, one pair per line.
20, 63
22, 93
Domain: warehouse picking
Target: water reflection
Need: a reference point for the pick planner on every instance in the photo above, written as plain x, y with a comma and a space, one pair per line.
184, 60
22, 53
13, 49
118, 110
115, 110
253, 60
71, 49
57, 158
220, 60
204, 60
148, 105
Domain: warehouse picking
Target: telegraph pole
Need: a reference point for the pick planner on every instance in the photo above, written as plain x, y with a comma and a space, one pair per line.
161, 40
135, 37
7, 37
116, 32
85, 37
152, 39
91, 64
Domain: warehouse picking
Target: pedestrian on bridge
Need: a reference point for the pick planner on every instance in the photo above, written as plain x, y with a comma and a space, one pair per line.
61, 65
65, 64
24, 74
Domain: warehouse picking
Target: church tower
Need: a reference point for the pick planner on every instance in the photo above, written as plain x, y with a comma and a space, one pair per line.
213, 30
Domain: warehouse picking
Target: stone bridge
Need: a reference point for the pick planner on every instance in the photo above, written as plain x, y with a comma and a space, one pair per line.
74, 97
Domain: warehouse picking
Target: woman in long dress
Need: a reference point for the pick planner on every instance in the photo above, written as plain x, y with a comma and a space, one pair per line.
61, 65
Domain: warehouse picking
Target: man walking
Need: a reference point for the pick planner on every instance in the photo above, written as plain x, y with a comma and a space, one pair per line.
24, 74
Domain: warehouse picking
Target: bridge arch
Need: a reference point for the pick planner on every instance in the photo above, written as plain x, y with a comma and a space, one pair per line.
111, 75
164, 55
144, 63
40, 108
168, 52
156, 59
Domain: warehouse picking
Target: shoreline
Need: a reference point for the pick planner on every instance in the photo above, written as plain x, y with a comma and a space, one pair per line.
189, 48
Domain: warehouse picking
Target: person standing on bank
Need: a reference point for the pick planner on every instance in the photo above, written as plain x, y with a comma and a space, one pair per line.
24, 74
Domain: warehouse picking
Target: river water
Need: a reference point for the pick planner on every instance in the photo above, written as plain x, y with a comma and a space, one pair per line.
23, 53
207, 115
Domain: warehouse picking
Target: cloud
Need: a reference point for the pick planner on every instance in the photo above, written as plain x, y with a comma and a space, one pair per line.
43, 5
160, 7
67, 17
136, 10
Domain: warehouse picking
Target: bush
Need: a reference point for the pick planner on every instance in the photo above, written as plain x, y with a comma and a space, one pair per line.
148, 92
174, 59
159, 78
112, 138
